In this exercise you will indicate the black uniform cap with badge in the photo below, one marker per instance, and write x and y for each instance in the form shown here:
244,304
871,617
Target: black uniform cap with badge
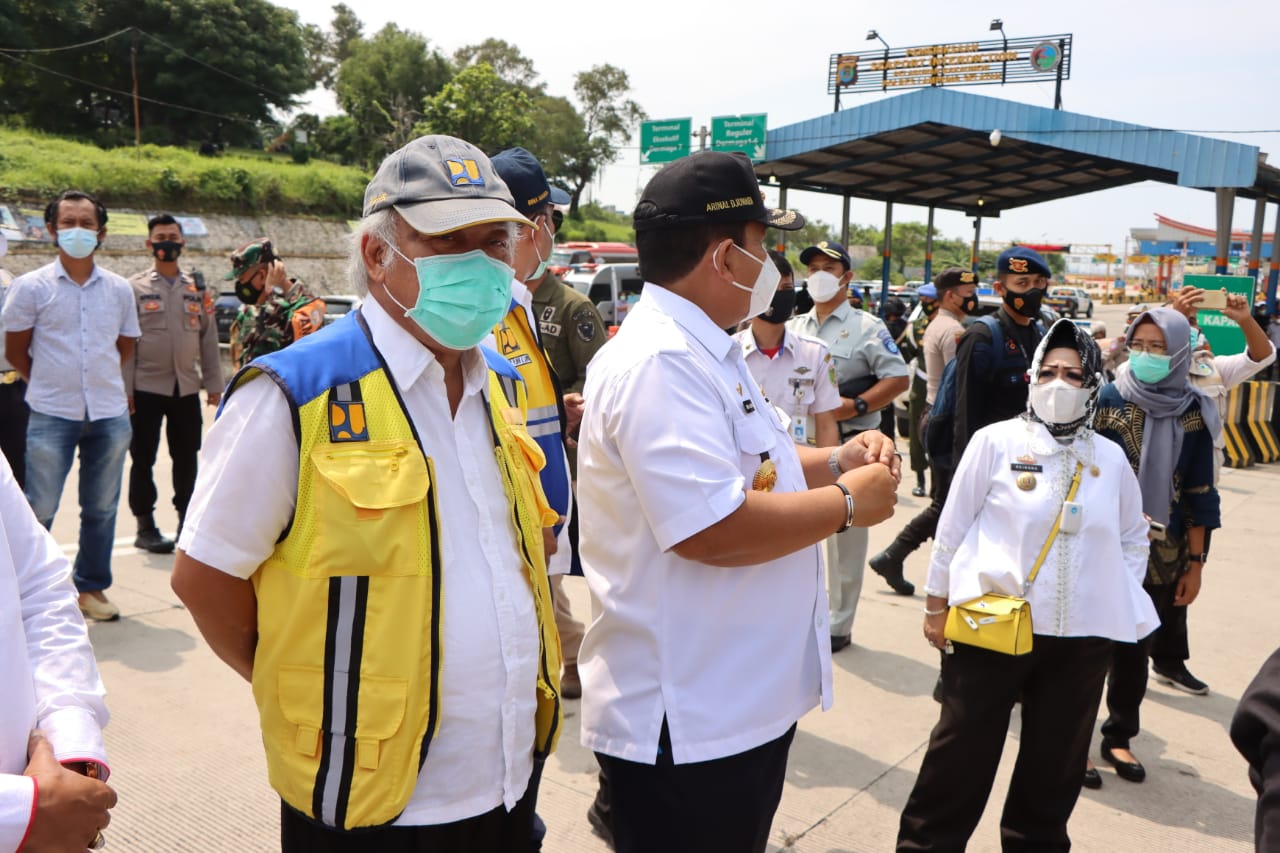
953,277
1019,260
831,249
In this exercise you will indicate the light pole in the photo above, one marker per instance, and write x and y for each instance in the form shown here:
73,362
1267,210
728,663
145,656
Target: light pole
998,24
884,72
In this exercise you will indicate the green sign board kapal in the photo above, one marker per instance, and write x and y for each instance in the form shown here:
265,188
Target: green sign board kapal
1225,337
664,140
739,133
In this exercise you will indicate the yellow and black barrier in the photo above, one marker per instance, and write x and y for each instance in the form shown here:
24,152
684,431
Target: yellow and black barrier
1260,408
1239,452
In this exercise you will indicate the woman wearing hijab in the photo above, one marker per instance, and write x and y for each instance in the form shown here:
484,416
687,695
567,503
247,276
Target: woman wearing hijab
1005,502
1165,426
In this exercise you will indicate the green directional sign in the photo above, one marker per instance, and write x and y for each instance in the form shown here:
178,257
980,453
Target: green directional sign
739,133
664,140
1225,337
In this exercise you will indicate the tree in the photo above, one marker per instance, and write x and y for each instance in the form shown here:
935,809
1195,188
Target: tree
383,85
212,64
479,107
328,50
506,60
557,135
608,116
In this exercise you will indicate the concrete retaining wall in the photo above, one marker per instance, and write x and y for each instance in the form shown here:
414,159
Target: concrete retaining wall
314,250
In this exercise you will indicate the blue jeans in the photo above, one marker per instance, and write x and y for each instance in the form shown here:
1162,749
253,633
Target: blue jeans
51,447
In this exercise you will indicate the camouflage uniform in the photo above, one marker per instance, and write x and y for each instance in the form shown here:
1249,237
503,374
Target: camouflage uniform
276,323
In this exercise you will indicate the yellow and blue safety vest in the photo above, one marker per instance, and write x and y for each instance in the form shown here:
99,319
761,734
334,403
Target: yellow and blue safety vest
347,666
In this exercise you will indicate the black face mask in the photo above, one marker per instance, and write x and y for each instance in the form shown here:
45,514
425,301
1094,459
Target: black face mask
1027,304
247,293
780,309
166,250
929,308
970,304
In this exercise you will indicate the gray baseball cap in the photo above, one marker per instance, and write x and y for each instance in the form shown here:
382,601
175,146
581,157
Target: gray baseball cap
441,184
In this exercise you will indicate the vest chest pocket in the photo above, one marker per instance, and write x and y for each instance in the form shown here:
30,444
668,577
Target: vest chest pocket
370,502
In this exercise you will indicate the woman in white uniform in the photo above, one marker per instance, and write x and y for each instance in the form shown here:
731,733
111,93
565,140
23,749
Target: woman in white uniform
1007,494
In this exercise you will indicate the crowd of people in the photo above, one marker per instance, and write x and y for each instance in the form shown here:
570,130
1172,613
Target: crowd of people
377,532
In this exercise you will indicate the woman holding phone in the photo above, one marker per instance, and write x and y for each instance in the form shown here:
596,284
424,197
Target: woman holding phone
1165,426
1042,496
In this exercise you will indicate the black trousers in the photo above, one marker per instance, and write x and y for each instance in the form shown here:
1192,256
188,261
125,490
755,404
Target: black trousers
496,831
1170,649
1060,684
725,805
182,423
925,523
13,427
1128,682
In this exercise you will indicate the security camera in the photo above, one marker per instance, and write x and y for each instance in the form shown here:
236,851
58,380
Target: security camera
996,136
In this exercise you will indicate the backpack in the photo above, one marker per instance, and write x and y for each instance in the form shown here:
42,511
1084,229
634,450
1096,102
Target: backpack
939,428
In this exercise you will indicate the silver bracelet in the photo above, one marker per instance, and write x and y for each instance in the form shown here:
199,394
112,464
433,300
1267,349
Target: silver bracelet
928,612
833,462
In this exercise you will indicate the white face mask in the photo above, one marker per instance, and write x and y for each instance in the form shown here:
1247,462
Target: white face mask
766,283
823,286
1059,402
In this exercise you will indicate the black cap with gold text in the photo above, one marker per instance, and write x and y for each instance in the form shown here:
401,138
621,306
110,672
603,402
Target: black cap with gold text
708,188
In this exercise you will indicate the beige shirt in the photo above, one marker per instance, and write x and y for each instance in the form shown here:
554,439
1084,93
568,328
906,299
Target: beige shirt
940,341
179,342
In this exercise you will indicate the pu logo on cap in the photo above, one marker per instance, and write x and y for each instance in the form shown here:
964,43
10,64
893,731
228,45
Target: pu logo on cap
1018,265
464,173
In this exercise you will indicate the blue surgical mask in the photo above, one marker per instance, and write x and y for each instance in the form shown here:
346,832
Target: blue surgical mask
1148,367
1195,338
79,243
460,297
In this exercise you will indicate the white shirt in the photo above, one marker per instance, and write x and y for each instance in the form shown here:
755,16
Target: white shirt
800,379
75,362
48,677
990,533
673,431
482,755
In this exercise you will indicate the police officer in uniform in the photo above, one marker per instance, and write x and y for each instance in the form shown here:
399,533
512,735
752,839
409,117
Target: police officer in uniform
870,373
176,355
278,309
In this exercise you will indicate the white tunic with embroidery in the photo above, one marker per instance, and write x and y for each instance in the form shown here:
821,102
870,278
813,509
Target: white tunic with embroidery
991,532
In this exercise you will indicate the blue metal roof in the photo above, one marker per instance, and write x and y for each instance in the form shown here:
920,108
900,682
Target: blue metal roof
932,147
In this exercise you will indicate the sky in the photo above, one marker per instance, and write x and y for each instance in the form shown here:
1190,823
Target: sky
1194,65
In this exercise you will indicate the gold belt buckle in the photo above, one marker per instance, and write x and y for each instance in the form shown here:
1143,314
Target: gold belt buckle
9,377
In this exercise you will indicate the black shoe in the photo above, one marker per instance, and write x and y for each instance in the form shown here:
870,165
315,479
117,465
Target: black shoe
1092,778
917,491
838,643
153,540
1132,771
890,568
599,826
1181,679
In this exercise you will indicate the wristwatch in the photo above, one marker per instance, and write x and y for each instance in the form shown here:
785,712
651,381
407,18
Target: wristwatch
1201,558
860,404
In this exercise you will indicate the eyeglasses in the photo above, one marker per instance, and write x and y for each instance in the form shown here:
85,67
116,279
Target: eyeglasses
1151,348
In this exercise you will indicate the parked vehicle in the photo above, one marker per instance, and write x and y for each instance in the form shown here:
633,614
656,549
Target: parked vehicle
587,257
612,288
227,305
1070,301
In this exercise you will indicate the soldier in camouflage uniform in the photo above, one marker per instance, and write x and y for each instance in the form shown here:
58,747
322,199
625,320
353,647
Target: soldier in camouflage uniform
912,350
278,309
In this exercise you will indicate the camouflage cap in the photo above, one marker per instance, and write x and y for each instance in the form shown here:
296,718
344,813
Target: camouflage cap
250,255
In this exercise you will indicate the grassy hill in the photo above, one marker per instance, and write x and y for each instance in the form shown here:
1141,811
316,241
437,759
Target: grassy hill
34,167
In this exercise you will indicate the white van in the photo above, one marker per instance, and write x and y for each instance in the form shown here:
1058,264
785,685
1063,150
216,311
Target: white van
612,288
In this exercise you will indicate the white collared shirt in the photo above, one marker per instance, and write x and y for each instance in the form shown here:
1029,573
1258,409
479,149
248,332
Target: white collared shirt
482,755
991,531
48,677
75,362
800,378
673,431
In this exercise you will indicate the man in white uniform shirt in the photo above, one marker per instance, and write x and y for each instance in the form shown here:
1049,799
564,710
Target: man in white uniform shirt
52,790
794,371
390,594
709,632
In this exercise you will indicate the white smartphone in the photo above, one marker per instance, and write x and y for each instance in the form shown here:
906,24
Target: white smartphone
1072,516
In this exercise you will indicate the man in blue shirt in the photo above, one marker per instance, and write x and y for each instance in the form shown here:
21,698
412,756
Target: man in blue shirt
69,326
